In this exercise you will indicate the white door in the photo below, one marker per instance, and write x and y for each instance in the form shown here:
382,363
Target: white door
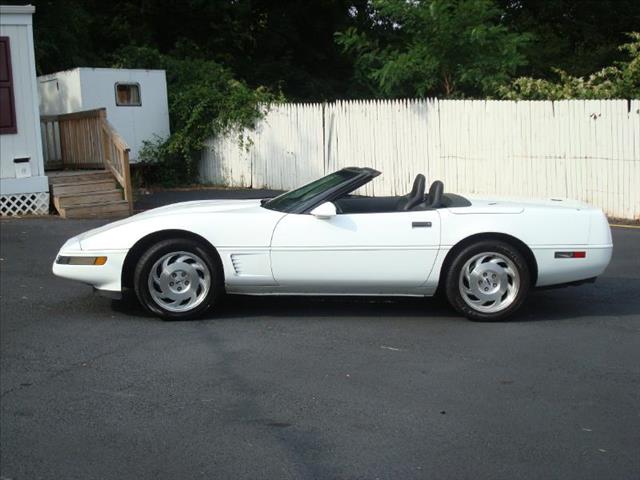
364,253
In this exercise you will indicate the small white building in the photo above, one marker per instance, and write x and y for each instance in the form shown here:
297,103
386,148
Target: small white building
24,188
136,100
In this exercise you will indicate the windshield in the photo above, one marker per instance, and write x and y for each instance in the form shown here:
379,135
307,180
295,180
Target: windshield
287,202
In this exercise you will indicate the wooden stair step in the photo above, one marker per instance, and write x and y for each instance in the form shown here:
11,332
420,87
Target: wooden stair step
78,176
82,187
117,208
72,199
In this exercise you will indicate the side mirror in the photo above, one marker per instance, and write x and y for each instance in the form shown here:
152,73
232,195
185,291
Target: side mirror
324,211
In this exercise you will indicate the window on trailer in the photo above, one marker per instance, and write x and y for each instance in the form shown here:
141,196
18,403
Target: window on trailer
128,94
7,103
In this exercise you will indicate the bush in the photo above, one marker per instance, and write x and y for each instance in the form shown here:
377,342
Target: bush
205,100
621,80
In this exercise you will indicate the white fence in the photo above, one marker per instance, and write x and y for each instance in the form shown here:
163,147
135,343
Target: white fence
586,150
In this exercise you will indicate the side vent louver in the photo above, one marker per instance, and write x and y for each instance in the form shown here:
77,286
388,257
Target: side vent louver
237,264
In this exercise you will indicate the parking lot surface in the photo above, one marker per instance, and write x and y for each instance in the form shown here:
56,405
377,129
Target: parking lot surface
298,388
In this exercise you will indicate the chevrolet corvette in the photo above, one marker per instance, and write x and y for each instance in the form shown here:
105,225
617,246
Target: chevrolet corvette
483,255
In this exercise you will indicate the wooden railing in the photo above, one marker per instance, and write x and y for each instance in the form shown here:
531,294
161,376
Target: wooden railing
116,157
86,140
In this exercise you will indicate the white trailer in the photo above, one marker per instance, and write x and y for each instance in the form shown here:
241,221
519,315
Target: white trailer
23,185
136,100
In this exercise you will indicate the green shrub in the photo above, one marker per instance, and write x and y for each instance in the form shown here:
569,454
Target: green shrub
205,100
621,80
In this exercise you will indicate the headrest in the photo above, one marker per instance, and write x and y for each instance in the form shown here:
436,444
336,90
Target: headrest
435,194
419,185
417,193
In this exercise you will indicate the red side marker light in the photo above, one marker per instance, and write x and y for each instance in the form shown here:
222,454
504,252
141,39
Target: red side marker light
570,255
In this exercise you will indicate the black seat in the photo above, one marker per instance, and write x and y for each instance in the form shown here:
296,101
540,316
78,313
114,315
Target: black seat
434,199
415,196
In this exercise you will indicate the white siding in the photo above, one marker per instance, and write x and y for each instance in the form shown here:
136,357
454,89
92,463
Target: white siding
60,92
90,88
135,124
586,150
26,142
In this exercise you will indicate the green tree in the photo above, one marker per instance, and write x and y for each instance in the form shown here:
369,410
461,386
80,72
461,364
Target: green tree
62,39
577,36
434,47
289,46
285,46
621,80
204,100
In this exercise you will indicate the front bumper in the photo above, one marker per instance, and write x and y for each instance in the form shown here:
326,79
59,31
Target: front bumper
107,277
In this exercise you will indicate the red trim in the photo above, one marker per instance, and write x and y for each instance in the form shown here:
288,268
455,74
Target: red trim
580,254
6,83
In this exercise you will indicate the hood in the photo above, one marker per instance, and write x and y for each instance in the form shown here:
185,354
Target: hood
179,209
199,206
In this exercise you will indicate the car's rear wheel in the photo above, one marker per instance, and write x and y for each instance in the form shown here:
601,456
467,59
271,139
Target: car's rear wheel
488,281
177,279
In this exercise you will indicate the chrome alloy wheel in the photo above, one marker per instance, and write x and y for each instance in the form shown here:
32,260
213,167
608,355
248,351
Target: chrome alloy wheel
489,282
179,281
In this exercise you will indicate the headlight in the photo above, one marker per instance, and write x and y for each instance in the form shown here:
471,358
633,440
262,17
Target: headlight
65,260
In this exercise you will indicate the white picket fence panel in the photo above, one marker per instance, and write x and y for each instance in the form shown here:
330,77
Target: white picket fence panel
284,151
587,150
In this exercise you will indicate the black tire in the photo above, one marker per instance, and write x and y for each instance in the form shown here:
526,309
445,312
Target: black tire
160,250
452,280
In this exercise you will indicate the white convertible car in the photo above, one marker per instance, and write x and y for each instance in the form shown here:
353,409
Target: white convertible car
320,239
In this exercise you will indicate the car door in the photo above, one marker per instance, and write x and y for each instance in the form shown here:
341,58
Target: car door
366,253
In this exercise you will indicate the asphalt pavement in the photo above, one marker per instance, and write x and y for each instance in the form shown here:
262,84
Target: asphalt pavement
298,388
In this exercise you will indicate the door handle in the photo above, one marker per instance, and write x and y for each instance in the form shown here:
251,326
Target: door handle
420,224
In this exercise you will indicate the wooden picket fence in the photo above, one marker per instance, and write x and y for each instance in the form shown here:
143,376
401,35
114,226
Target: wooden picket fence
587,150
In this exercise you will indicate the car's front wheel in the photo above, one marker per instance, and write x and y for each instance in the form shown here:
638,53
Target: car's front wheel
488,281
177,279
